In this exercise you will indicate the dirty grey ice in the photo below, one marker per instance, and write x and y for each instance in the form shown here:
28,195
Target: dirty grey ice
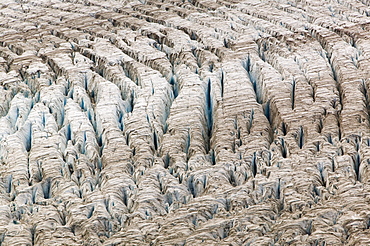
184,122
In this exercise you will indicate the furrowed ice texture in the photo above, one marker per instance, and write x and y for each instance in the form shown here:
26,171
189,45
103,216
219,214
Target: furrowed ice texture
184,122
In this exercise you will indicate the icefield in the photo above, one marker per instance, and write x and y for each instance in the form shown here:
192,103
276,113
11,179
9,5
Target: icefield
184,122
